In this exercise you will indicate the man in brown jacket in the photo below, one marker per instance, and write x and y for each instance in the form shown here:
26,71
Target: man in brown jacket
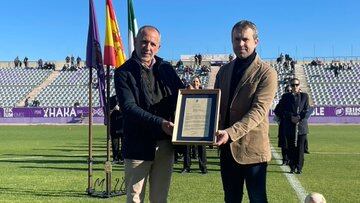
248,86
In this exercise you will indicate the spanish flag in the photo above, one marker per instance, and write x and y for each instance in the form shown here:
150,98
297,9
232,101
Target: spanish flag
114,54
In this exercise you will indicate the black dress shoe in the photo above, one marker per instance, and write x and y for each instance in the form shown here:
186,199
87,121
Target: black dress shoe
292,171
298,172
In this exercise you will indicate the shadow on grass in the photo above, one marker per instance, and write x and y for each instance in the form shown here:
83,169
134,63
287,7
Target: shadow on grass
45,161
82,146
71,150
115,169
44,193
55,155
194,170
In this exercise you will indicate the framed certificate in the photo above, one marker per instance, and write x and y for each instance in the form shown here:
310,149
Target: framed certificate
196,116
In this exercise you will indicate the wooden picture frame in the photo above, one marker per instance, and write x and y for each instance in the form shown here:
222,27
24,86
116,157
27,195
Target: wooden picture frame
196,116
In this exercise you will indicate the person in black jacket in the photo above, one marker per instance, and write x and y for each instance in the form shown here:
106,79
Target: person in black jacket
282,141
116,130
147,88
293,111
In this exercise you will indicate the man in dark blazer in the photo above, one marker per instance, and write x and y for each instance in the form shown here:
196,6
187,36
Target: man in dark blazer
248,87
147,88
116,130
282,141
293,111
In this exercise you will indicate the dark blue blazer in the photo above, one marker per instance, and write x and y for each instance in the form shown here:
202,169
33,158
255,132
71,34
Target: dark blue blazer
142,127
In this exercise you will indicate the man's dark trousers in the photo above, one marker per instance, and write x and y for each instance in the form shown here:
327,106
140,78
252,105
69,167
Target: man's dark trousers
234,175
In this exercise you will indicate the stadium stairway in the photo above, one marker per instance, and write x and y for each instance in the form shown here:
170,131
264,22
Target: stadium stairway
212,76
300,74
38,89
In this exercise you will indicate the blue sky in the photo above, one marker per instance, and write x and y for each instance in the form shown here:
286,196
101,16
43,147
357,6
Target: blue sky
303,28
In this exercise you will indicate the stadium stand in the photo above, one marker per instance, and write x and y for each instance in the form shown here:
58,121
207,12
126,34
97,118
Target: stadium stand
71,87
326,89
16,83
284,74
186,73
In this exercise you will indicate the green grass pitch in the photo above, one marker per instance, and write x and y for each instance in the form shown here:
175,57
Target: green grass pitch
49,164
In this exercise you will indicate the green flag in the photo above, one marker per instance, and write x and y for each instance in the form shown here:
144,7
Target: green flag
132,24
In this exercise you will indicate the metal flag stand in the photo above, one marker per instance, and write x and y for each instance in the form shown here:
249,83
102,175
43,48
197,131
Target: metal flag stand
96,189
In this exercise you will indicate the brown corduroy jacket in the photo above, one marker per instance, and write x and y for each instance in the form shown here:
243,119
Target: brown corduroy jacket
249,109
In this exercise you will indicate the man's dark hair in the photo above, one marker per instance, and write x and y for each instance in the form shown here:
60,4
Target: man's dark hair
242,25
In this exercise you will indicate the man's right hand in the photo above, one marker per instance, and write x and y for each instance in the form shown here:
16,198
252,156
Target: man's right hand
167,127
295,119
222,137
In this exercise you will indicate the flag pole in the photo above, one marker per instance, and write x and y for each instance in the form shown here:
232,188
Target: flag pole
108,167
90,189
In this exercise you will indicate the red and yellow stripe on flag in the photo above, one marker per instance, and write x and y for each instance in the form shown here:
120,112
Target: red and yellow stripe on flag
114,54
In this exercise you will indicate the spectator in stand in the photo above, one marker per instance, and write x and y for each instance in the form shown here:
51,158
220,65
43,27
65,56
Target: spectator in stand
67,59
16,61
26,103
287,57
78,61
26,62
196,84
341,67
196,58
72,60
36,103
200,59
292,64
65,67
335,68
280,59
53,66
40,63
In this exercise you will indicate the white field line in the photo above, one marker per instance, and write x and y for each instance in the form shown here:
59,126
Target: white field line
294,182
337,153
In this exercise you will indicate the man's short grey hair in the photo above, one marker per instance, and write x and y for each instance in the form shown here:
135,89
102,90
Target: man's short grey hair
244,24
143,28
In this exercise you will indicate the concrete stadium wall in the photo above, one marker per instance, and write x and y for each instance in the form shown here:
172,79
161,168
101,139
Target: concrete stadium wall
58,64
